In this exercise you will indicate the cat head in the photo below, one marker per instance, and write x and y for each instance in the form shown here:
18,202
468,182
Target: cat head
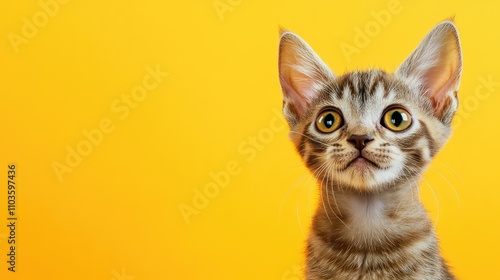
371,129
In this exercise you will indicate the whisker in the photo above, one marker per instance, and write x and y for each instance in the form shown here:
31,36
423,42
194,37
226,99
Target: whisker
451,169
297,207
337,205
323,166
435,198
411,189
411,164
309,198
326,185
300,195
334,172
286,195
415,181
296,165
298,220
450,184
312,139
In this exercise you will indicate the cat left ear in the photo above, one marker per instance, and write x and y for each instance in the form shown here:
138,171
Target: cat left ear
436,66
302,75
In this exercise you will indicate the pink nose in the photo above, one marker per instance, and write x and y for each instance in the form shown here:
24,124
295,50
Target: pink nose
360,141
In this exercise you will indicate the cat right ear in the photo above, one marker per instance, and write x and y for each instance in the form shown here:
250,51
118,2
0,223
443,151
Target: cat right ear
302,75
436,66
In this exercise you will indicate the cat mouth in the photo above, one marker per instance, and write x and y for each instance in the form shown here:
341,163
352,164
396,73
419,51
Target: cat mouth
361,162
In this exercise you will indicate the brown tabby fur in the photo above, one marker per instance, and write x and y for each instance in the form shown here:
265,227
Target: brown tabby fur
370,223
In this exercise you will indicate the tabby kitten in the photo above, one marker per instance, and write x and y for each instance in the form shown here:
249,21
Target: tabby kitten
367,136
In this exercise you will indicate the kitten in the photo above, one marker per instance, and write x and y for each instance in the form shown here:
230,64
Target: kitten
367,136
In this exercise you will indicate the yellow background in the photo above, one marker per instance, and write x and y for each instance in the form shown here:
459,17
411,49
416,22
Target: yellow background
117,216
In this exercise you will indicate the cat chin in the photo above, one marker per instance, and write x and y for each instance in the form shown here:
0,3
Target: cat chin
367,177
358,176
361,164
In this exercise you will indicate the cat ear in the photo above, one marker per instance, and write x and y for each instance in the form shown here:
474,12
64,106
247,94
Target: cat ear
302,75
436,65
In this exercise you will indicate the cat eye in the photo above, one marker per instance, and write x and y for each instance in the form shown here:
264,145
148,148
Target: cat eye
396,119
329,121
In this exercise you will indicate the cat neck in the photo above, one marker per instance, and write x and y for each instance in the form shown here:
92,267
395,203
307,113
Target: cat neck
370,218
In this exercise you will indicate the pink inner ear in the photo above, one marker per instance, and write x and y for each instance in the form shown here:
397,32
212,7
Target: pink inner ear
438,92
293,97
441,80
298,89
303,91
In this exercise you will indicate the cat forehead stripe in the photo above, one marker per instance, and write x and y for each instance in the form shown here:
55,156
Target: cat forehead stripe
358,85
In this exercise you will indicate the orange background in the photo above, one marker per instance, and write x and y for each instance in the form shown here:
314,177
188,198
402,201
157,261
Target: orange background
157,141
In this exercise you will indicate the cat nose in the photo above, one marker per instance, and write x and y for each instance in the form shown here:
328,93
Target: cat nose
360,141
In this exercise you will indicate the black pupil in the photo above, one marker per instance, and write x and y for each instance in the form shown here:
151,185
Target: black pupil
329,120
397,118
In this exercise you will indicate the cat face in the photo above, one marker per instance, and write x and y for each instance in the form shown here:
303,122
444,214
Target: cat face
370,129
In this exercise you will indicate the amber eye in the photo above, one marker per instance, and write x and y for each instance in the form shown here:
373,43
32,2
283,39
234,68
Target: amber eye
328,121
396,119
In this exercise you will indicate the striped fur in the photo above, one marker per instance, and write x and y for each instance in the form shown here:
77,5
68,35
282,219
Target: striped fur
370,223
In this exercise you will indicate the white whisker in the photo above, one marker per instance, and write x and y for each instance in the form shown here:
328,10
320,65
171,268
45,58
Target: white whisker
449,167
435,198
286,195
450,184
312,139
